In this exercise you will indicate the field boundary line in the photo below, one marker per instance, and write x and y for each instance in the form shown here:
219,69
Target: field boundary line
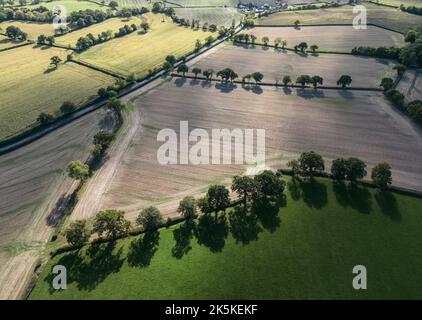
99,69
273,84
383,4
15,47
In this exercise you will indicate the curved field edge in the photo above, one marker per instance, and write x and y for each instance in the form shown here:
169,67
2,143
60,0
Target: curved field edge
306,249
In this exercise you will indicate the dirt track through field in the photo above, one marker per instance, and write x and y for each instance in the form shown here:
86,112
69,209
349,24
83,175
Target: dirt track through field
33,184
334,123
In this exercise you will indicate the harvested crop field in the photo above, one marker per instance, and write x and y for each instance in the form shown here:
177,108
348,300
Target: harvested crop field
217,16
112,24
25,73
411,85
33,29
32,184
140,53
327,39
380,15
276,63
332,122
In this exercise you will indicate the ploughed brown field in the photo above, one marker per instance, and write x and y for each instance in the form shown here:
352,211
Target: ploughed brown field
33,183
274,64
334,123
330,38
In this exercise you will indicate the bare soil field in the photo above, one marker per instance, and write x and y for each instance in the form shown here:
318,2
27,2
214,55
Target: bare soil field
411,85
33,185
328,39
276,63
334,123
218,16
391,18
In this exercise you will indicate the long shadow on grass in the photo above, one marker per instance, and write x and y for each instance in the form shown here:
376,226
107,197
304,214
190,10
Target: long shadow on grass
143,249
314,193
353,195
387,202
212,231
183,236
88,269
244,225
267,212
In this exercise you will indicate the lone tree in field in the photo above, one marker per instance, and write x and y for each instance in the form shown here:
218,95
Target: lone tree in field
227,74
111,223
208,73
45,118
283,44
386,83
400,69
265,40
149,218
217,199
314,48
244,186
171,59
55,60
257,76
187,207
77,170
297,23
77,234
310,163
277,42
145,26
317,80
344,81
302,46
303,80
286,80
67,107
196,71
182,69
381,175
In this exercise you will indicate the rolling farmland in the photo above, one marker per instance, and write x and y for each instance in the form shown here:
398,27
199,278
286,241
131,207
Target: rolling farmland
217,16
33,29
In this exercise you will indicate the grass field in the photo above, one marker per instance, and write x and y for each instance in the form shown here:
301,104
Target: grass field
28,86
327,37
112,24
33,29
305,249
397,3
34,190
379,15
70,5
140,53
6,42
274,64
218,16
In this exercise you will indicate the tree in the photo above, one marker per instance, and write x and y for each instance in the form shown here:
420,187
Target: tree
209,40
111,223
171,59
104,138
344,81
387,83
150,218
303,80
198,45
145,26
247,78
45,118
217,198
302,46
414,109
277,42
114,104
381,175
310,163
268,184
183,68
67,107
156,7
113,4
208,73
315,80
77,234
244,186
283,44
257,76
400,69
41,39
55,60
227,74
187,207
295,166
196,71
286,80
265,40
356,169
77,170
314,48
339,169
297,22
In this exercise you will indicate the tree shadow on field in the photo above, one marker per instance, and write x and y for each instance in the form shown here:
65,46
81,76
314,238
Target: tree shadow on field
142,250
353,195
225,87
183,236
244,225
180,82
194,82
212,231
314,193
257,89
90,268
387,202
347,94
287,91
294,189
310,93
267,211
62,206
206,84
